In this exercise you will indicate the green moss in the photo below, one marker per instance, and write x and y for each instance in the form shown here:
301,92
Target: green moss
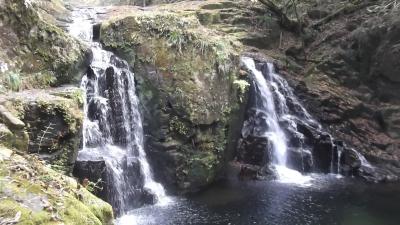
43,196
40,47
202,167
77,213
9,208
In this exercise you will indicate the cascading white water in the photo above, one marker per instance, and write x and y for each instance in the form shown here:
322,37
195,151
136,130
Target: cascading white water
282,116
275,134
112,127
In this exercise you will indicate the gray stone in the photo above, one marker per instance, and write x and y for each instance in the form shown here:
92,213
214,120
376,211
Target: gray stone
10,120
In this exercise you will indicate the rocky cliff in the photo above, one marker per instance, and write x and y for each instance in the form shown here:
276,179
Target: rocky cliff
348,76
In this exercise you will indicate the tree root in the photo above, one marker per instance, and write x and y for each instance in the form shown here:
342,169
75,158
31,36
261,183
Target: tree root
348,9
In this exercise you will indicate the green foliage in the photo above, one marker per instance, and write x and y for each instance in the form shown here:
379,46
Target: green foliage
93,187
221,51
203,46
39,80
178,126
242,86
77,96
177,40
12,81
16,81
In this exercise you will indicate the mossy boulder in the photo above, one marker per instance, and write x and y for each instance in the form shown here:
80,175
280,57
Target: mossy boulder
53,119
31,43
34,194
12,131
185,75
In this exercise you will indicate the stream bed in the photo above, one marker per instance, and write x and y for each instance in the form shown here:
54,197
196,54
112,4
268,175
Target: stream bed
327,200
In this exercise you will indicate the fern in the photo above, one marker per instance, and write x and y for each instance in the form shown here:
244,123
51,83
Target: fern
42,137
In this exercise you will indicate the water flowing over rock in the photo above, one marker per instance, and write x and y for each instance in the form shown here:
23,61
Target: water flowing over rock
112,129
279,131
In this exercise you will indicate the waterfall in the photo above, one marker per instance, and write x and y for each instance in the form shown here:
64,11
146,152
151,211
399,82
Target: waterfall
275,134
112,126
295,140
272,102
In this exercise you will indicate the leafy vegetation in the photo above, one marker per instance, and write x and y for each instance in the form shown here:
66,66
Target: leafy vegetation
242,86
11,80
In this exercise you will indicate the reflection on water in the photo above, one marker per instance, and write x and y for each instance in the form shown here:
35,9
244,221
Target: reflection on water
328,201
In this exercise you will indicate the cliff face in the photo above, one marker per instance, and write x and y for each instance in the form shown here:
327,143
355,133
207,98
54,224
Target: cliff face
350,77
37,54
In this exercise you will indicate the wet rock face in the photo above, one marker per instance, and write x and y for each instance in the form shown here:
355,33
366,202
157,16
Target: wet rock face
102,182
310,148
354,89
54,133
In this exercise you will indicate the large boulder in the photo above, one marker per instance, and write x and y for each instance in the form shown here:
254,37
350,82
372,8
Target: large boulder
185,75
52,119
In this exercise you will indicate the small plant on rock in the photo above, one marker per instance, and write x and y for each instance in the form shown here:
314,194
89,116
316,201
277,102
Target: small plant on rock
12,81
242,86
44,133
92,187
177,39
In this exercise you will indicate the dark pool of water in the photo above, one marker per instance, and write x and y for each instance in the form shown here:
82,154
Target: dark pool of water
328,201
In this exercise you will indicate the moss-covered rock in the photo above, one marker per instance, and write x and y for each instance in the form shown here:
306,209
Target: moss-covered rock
53,120
40,195
185,74
34,48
